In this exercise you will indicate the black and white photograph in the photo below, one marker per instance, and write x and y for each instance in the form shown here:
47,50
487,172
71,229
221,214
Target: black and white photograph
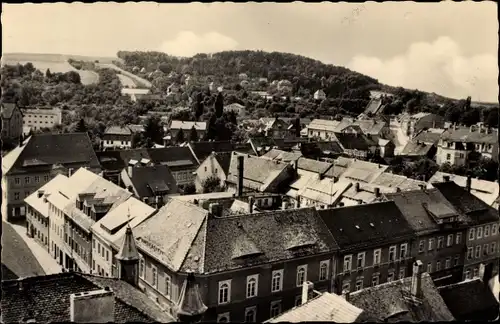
250,162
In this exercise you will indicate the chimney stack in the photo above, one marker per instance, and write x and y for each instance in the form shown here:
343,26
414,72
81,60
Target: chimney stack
346,294
416,279
215,209
70,172
468,183
356,186
377,192
239,185
92,306
446,178
250,204
307,288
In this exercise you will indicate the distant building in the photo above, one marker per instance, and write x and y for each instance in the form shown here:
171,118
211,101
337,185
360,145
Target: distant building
177,125
319,95
12,122
215,165
413,124
118,137
41,117
274,127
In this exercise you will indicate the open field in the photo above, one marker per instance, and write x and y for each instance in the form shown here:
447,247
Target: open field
139,82
126,81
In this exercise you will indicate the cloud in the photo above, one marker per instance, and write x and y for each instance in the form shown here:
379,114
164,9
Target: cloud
436,67
187,43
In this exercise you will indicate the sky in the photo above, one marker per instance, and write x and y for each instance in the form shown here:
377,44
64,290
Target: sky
450,48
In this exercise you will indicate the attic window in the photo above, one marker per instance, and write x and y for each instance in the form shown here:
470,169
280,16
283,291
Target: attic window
357,227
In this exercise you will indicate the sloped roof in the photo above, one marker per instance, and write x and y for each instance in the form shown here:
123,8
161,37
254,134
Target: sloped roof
46,299
430,136
187,125
8,109
146,180
203,149
118,130
464,135
389,224
351,141
38,203
383,300
391,180
42,150
319,167
325,308
414,148
323,124
314,149
373,106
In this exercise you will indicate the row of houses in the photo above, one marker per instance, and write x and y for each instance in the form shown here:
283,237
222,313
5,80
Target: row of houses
251,261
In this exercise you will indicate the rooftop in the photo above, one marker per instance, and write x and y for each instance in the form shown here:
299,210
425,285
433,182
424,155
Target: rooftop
37,203
187,125
147,181
118,130
465,135
203,149
358,142
416,148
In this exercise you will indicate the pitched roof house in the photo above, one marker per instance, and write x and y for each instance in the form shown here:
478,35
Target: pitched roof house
201,150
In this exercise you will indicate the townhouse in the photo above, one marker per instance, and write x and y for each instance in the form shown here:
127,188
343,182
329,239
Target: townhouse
357,145
274,128
108,234
412,124
374,245
457,143
185,127
119,137
12,122
324,150
41,117
29,166
440,232
322,128
216,165
482,238
249,267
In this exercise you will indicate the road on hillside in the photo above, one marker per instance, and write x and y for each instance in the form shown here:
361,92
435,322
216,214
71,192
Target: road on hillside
16,255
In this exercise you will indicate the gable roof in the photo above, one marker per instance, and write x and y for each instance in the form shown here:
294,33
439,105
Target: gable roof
46,299
416,148
430,136
323,124
44,150
388,299
325,308
319,167
224,160
8,109
314,149
187,125
391,180
146,180
470,300
38,203
464,135
202,150
355,227
118,130
351,141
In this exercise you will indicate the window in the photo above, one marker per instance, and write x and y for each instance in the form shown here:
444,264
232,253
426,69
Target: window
402,273
141,267
361,260
301,275
346,286
277,281
205,169
275,308
487,231
440,242
478,251
375,279
479,233
403,251
154,276
476,273
457,259
224,292
323,270
449,240
16,195
98,247
467,274
472,232
448,156
493,247
429,267
431,244
93,265
17,181
347,262
250,314
392,253
376,256
359,284
252,286
470,253
438,265
45,178
458,238
447,263
223,318
107,255
494,229
421,246
485,249
168,285
37,179
26,180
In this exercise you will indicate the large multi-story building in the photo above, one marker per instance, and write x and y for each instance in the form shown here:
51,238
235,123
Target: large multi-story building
29,166
12,122
412,124
374,245
41,117
249,267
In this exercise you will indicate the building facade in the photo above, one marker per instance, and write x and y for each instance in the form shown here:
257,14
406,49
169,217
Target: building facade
42,117
12,122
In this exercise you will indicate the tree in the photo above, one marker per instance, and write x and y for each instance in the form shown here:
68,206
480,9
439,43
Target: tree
153,129
189,189
211,184
48,74
179,138
219,105
80,126
491,119
193,135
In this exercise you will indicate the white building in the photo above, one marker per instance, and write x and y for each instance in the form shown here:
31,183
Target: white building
319,95
41,117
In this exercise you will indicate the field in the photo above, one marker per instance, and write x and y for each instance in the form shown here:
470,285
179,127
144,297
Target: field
126,81
125,76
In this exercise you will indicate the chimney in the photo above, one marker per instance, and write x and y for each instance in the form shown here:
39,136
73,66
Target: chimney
446,178
70,172
356,186
416,279
92,306
346,294
468,183
239,185
307,288
215,209
377,192
297,204
398,189
250,204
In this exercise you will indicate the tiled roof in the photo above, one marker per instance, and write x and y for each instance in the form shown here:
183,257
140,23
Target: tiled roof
323,124
470,300
374,224
8,109
203,149
146,180
46,299
476,209
314,149
414,148
187,125
49,149
430,136
388,301
373,106
413,206
464,135
118,130
283,156
326,191
487,191
351,141
38,203
224,160
325,308
370,126
319,167
390,180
